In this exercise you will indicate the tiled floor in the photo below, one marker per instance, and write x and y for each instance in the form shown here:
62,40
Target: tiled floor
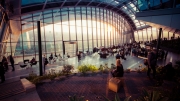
93,88
131,62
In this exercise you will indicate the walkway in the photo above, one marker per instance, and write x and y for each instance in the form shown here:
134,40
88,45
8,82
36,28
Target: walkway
91,87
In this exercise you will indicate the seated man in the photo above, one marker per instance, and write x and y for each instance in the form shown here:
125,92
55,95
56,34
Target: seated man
33,61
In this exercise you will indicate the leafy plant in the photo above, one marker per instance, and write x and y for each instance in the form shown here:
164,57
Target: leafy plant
151,96
49,75
75,98
67,69
113,66
88,67
104,68
117,98
32,76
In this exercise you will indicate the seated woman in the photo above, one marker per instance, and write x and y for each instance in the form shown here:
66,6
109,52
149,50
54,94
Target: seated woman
33,61
119,71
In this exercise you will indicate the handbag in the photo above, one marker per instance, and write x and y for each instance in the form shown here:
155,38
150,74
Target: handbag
145,62
114,73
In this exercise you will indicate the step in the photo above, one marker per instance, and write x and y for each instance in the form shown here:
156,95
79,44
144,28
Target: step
11,89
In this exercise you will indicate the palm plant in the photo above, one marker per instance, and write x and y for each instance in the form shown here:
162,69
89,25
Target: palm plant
151,96
116,98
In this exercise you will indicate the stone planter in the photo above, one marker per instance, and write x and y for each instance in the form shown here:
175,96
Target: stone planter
45,81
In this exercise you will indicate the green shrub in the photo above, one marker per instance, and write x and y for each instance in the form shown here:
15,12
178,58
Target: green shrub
151,96
84,68
32,76
104,68
67,69
36,79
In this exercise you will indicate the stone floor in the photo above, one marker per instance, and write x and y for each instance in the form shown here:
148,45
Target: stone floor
93,88
131,62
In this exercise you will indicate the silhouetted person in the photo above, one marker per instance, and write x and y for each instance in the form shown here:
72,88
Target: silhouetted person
118,56
5,63
51,57
79,56
68,55
165,56
151,63
2,72
168,71
12,62
33,61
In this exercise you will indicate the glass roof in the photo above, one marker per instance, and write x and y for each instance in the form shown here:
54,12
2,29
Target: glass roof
129,7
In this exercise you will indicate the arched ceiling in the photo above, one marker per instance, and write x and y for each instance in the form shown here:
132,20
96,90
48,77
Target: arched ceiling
126,8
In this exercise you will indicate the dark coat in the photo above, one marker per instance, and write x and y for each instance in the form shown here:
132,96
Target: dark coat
152,59
119,72
2,72
11,60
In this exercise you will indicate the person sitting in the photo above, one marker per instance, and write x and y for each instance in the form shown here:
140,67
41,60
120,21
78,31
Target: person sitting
118,56
68,55
168,71
33,61
119,71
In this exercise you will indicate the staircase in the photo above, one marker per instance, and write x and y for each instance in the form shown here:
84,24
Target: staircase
11,89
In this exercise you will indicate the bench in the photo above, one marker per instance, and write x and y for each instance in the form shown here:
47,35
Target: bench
28,86
115,83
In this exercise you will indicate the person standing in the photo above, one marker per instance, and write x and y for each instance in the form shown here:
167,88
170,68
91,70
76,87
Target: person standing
79,56
12,62
2,72
165,56
5,63
152,63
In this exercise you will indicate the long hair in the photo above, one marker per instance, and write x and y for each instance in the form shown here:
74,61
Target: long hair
118,62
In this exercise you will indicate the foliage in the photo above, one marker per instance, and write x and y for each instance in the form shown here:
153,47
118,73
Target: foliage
32,76
84,68
113,66
144,69
75,98
49,75
104,68
127,70
151,96
116,98
67,69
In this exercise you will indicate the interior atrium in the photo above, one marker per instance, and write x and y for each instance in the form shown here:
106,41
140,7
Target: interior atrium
69,27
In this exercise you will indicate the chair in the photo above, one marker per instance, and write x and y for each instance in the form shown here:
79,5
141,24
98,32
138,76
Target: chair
26,61
34,63
22,65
